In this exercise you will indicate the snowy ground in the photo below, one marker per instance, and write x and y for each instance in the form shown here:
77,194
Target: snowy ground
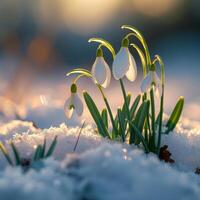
100,169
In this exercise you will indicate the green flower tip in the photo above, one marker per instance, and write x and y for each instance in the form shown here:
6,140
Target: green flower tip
73,88
182,98
152,67
71,106
125,42
99,52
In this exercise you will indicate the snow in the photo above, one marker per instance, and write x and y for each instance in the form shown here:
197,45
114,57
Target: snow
99,169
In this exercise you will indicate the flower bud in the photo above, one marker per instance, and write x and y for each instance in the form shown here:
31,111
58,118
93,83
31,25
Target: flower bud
73,88
99,52
125,42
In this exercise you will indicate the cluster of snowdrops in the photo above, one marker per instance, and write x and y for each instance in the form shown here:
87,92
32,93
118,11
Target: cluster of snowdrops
136,122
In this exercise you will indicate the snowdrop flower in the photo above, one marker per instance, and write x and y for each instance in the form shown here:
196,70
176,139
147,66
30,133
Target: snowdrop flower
151,79
124,63
73,103
100,70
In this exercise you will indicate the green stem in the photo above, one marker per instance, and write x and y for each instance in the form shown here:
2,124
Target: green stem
88,74
160,120
127,108
125,100
109,110
152,118
140,37
78,77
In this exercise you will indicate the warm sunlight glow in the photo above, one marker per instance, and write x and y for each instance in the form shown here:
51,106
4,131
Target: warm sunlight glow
79,16
155,8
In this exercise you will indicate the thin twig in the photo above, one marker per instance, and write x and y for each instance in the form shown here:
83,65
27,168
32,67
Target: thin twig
79,136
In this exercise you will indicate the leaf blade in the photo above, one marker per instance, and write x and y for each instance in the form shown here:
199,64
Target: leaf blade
96,115
16,154
175,115
104,115
135,105
52,147
5,153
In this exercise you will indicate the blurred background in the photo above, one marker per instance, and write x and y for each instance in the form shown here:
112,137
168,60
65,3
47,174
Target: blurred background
41,40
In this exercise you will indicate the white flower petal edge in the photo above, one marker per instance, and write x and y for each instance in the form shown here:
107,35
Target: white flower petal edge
99,71
132,71
108,76
78,104
146,82
151,77
121,63
157,82
73,104
68,111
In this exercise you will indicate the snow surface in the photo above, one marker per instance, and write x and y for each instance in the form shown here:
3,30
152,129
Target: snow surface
99,169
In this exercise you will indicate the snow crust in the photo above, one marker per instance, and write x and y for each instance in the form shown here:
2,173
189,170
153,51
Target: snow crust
99,169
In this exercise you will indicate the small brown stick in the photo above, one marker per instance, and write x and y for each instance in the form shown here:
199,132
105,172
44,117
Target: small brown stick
79,136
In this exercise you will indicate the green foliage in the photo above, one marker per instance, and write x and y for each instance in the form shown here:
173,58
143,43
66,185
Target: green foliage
51,148
122,124
134,106
5,153
103,43
139,121
38,155
104,115
175,115
135,122
96,115
16,153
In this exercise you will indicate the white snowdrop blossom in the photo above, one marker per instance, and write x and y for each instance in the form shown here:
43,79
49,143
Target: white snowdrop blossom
73,103
150,79
100,70
124,64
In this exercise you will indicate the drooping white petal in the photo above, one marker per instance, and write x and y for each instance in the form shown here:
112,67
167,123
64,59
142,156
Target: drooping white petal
131,74
108,76
146,82
99,70
157,83
67,109
78,105
121,63
155,78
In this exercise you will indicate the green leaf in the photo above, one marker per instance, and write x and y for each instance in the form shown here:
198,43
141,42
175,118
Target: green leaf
134,106
122,123
52,147
175,115
140,136
96,115
116,121
159,120
16,154
43,149
140,120
38,152
153,125
128,99
5,153
103,43
104,115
